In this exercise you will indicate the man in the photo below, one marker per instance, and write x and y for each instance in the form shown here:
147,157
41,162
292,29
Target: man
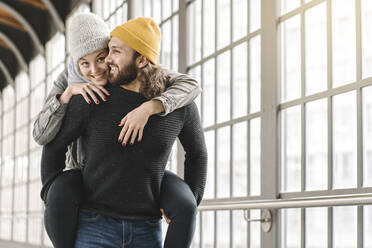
123,185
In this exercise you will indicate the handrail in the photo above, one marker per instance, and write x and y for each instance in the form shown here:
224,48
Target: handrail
323,201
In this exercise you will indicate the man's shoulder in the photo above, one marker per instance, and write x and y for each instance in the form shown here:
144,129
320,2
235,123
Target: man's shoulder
78,102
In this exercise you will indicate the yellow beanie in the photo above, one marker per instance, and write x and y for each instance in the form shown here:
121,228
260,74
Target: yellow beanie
141,34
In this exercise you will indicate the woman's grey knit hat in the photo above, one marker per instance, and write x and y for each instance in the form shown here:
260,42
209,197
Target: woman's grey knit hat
87,33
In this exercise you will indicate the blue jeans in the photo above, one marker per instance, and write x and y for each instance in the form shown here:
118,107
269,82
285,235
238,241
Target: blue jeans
100,231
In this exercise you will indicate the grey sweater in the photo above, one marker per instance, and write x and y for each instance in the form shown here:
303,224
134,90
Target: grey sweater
182,90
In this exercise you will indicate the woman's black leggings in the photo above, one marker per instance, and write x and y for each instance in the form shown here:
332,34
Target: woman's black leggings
66,193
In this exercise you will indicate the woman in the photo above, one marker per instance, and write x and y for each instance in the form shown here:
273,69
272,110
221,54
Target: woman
88,52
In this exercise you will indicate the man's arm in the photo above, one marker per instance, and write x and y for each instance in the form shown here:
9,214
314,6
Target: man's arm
53,156
182,90
49,120
193,142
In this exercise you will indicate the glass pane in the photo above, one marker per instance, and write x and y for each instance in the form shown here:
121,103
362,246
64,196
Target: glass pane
167,8
255,163
255,15
223,23
22,112
194,31
316,227
345,227
344,141
6,197
223,162
34,230
37,70
166,45
316,48
291,227
196,239
367,226
240,82
20,196
288,5
367,38
291,149
290,59
223,87
195,73
240,165
255,74
239,229
316,145
208,229
239,19
255,229
37,102
223,229
210,185
175,42
208,93
35,204
5,227
343,39
209,27
157,10
367,136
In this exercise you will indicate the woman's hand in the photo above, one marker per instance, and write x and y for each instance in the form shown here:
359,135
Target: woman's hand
134,122
86,90
165,217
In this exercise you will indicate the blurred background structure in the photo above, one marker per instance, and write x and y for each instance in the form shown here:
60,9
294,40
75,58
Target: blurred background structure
286,108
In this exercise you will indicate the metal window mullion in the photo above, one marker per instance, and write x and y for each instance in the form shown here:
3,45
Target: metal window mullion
231,111
359,96
215,112
329,86
14,162
200,229
330,227
303,93
215,105
269,122
28,160
1,148
360,231
201,55
303,227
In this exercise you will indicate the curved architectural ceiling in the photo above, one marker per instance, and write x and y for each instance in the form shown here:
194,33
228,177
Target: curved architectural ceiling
25,27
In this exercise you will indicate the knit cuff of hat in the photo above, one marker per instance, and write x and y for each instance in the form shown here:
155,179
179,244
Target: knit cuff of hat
136,43
86,48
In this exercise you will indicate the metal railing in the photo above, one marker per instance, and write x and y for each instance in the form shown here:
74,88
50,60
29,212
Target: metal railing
322,201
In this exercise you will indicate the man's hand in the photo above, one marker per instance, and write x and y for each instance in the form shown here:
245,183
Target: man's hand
165,217
135,121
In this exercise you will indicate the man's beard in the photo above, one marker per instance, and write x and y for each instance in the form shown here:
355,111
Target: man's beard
124,76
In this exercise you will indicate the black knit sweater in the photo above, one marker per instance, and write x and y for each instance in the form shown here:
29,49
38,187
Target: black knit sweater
124,182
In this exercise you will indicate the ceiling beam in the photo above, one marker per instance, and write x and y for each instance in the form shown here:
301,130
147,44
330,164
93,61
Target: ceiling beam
4,45
9,23
25,24
15,50
55,16
6,73
36,4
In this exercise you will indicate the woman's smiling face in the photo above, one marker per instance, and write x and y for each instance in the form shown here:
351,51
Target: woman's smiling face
94,68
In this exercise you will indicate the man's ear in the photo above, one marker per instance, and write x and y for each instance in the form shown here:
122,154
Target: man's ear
142,61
